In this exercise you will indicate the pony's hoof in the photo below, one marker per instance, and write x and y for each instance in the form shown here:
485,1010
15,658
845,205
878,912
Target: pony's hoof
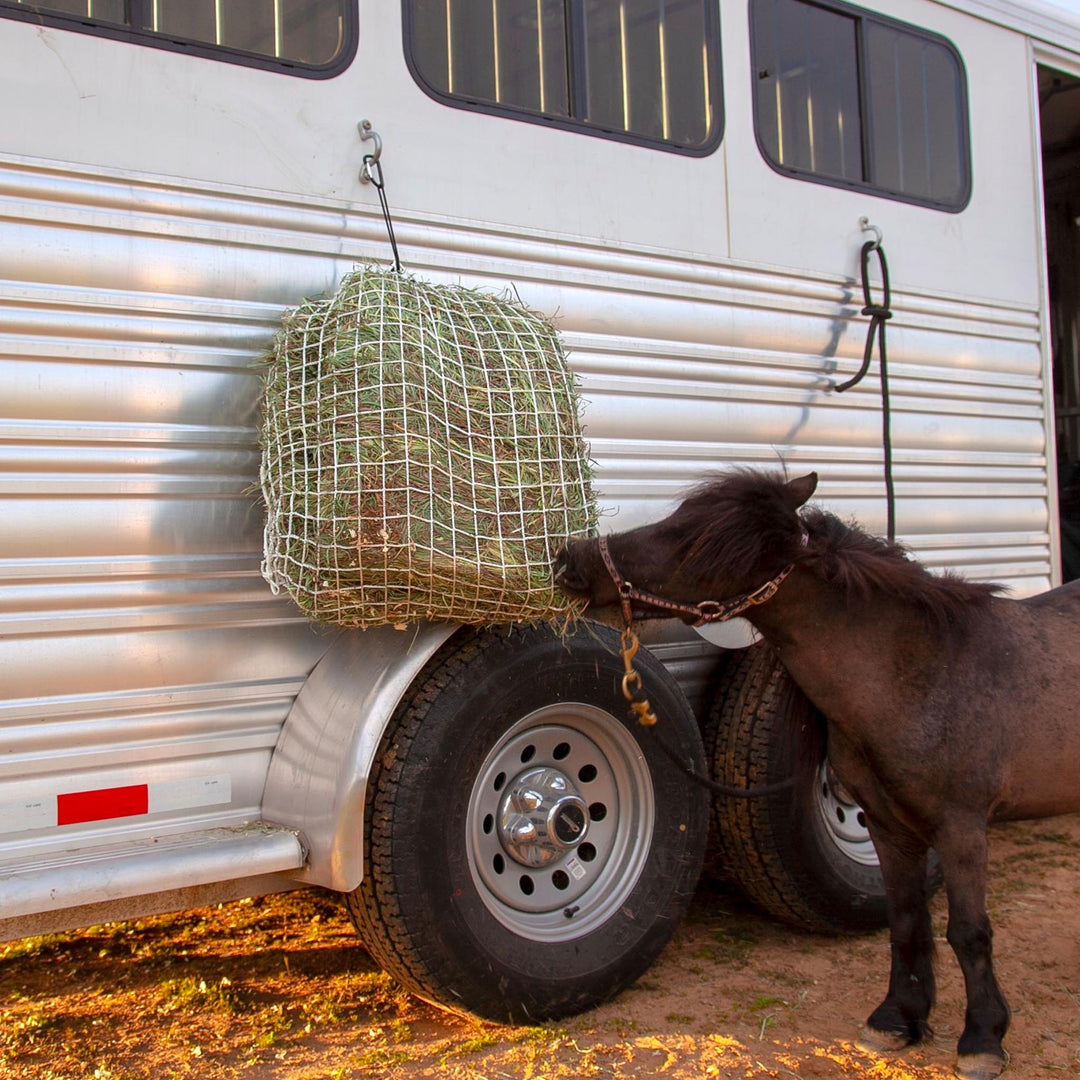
980,1066
881,1042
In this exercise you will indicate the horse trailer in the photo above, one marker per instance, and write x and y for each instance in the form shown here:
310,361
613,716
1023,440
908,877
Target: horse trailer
687,187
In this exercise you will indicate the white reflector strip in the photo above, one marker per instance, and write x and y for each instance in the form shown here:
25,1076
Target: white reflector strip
162,796
31,814
186,794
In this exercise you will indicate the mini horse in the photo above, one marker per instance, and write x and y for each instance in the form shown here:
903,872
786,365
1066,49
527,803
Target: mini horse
947,706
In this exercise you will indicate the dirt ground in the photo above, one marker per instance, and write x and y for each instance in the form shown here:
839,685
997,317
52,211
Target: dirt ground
282,989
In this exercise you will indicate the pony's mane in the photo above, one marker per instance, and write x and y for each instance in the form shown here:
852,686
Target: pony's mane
747,522
861,565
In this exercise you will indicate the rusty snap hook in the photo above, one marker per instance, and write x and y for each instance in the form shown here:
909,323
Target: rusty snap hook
631,681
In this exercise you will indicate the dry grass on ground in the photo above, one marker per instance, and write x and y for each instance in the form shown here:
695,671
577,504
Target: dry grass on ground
282,989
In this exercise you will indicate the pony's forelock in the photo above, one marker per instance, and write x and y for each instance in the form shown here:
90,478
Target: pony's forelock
742,521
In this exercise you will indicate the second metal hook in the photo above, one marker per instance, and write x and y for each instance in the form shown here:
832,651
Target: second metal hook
367,132
867,226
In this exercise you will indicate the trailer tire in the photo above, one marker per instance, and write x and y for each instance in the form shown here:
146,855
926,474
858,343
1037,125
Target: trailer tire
804,855
448,906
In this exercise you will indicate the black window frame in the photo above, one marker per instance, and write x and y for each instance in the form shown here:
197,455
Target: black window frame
862,18
574,30
207,50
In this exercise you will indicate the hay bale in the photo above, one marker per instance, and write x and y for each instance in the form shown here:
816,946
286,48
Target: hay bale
422,456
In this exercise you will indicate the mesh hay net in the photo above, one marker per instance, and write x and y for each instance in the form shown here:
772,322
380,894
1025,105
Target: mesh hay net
422,456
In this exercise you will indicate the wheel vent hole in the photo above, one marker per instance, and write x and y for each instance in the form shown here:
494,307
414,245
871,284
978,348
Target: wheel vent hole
586,773
841,816
861,820
528,753
499,781
561,751
498,864
586,852
597,811
526,884
489,824
560,879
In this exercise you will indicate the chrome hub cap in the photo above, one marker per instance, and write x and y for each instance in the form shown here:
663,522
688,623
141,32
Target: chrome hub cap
559,822
542,817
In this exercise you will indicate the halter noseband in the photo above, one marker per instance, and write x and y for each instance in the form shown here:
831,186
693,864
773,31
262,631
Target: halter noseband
705,611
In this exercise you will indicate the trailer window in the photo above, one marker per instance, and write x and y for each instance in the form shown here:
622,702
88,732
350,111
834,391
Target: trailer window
307,37
846,98
641,70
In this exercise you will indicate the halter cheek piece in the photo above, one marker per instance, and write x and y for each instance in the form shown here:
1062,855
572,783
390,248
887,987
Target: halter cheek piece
705,611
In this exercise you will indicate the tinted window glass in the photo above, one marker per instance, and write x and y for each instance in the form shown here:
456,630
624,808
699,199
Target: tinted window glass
916,135
848,98
640,68
506,54
808,88
313,33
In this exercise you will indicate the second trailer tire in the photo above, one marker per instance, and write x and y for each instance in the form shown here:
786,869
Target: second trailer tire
804,856
529,850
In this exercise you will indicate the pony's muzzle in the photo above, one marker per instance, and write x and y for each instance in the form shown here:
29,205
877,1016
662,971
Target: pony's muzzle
568,573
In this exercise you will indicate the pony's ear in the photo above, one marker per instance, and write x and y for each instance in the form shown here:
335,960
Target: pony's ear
800,489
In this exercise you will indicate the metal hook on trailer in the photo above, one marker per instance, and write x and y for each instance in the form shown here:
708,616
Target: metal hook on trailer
867,226
367,132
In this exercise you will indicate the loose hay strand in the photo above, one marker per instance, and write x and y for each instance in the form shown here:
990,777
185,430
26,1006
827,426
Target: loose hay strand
422,456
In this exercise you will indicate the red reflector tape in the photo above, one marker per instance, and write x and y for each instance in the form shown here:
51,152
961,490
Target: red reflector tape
114,802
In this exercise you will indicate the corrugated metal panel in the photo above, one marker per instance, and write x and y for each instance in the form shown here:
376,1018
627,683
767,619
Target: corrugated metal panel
138,636
139,643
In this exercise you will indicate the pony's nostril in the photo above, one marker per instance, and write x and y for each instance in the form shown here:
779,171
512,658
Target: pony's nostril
567,575
560,566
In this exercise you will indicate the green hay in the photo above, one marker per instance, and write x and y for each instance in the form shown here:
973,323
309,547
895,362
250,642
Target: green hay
422,456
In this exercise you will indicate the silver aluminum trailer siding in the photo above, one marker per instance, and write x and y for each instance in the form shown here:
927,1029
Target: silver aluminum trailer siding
160,207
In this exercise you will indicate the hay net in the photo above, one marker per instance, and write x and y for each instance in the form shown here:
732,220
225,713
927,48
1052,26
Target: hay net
422,456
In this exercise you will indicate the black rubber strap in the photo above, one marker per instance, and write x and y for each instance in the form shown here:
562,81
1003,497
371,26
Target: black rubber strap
720,789
879,315
374,171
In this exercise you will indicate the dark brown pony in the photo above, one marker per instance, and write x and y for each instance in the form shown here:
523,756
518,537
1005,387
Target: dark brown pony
947,706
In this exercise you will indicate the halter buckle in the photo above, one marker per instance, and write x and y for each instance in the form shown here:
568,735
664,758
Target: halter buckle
766,592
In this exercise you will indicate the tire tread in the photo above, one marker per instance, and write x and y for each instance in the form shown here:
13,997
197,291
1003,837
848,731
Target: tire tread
410,932
752,835
375,906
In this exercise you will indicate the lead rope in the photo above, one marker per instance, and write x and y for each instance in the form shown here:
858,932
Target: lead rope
643,711
879,315
646,717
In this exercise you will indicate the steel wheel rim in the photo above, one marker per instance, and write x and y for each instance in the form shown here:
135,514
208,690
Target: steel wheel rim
844,820
583,885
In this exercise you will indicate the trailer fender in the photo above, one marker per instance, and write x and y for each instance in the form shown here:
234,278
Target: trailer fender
319,769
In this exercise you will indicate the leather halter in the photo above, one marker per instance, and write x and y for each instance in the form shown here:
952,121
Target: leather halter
705,611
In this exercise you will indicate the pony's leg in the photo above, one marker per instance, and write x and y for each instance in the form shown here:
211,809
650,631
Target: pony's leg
962,849
902,1018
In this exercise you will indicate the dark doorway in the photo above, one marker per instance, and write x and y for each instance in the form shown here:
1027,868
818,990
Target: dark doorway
1059,117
